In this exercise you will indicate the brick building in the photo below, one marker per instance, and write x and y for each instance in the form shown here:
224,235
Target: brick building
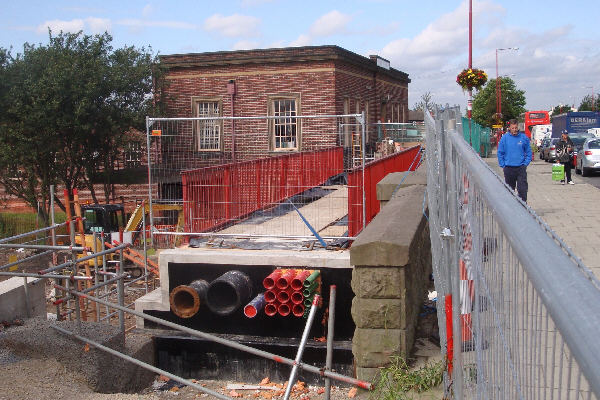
284,82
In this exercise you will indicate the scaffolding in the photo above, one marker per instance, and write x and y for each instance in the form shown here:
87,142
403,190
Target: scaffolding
74,298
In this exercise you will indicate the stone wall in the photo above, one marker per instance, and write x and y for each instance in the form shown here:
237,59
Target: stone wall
392,265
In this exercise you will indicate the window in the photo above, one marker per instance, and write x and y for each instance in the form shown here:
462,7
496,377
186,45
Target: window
593,144
284,129
133,155
207,132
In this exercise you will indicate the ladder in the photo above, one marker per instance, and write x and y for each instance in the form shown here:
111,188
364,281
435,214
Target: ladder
357,149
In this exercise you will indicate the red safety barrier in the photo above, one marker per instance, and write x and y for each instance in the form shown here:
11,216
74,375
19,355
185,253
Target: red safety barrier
216,196
375,171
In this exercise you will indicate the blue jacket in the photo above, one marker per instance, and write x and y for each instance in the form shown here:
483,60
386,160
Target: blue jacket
514,151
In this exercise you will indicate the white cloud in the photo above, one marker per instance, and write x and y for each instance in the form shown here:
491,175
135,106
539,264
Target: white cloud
332,23
98,25
56,25
138,23
246,45
302,40
251,3
147,10
550,66
235,25
91,25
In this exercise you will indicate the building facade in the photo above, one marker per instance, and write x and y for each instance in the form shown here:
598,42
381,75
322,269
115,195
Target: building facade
282,83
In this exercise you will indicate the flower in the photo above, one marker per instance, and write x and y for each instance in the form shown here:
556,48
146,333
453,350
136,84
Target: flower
471,78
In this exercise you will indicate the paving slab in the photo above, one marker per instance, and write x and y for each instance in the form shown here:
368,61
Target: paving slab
572,211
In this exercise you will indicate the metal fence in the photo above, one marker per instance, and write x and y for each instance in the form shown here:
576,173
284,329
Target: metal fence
518,317
234,184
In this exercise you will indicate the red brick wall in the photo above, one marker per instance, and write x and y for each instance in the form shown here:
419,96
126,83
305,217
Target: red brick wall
320,85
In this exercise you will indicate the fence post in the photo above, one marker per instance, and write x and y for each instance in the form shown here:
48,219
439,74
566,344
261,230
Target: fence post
454,271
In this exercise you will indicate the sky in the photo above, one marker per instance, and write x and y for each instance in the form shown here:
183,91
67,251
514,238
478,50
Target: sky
557,61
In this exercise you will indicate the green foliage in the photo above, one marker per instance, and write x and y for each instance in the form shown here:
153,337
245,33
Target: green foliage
16,223
484,102
397,381
560,109
586,103
68,108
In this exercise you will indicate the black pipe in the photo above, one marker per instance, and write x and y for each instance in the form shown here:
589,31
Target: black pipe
185,300
229,292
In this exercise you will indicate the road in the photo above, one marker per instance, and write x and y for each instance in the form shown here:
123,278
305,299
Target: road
593,180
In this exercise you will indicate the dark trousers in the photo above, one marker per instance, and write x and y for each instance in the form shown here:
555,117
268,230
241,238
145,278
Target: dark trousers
517,177
568,166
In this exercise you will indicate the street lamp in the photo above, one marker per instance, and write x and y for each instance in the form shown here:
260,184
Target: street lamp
498,86
593,104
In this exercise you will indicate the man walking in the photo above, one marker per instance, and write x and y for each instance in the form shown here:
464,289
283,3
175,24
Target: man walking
514,155
564,155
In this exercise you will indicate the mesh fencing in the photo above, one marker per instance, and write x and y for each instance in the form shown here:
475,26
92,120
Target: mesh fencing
518,317
265,180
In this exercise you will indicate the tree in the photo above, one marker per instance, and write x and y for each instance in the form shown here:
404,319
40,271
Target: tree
426,102
560,109
65,109
586,103
484,102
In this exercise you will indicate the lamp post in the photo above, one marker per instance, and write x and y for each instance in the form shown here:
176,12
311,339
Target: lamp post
470,101
498,85
593,104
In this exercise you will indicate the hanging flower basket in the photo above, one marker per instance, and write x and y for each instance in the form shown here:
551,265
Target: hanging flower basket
470,79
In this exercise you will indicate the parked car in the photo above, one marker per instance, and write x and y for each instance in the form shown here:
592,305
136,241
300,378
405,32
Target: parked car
588,157
544,143
578,140
550,150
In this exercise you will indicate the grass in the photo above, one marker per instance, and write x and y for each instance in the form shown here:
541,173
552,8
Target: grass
398,382
16,223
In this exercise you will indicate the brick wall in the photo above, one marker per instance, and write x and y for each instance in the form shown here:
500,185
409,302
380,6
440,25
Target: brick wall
321,78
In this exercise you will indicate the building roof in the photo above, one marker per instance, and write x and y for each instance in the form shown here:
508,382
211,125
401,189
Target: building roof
279,55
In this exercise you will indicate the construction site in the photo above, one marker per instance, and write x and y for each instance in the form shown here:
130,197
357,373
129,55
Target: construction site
239,271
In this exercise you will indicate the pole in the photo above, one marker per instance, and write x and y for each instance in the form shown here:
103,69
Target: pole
470,101
121,294
149,180
330,323
53,232
298,359
145,245
74,271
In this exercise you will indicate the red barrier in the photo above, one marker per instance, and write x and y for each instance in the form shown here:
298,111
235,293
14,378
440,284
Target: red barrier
216,196
375,171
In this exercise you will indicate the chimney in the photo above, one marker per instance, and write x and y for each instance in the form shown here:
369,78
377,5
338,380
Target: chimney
380,61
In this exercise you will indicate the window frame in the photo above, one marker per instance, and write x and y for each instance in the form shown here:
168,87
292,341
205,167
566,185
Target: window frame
197,125
272,122
133,154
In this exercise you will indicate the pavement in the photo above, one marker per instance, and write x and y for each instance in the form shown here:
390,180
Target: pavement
570,210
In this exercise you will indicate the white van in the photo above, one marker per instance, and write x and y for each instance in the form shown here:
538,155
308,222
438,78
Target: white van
539,132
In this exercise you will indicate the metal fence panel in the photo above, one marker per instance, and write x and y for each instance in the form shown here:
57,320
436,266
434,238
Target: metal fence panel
251,185
520,317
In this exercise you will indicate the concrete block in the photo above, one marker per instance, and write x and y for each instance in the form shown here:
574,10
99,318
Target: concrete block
12,298
386,241
368,374
378,282
379,313
399,180
373,348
